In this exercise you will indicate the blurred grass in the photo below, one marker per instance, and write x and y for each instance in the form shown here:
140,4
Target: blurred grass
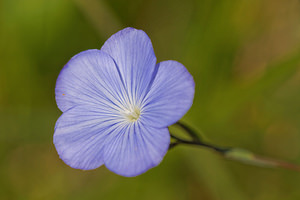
244,56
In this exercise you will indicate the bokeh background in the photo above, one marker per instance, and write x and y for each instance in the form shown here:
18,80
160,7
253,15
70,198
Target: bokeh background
244,56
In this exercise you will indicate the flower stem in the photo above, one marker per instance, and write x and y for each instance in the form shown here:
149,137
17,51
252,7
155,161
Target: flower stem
199,143
231,153
190,131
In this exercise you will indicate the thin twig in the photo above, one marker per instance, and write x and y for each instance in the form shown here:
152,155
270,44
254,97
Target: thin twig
236,154
189,130
199,143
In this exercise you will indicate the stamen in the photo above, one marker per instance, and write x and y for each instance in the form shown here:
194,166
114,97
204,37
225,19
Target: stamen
132,114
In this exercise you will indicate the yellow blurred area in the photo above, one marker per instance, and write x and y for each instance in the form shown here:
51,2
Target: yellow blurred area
244,56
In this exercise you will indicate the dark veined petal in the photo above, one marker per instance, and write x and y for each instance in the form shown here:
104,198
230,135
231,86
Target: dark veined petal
133,53
80,135
135,149
170,96
90,77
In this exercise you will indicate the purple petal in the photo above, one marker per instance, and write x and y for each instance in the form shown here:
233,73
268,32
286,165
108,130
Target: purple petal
80,135
170,96
135,149
90,77
133,53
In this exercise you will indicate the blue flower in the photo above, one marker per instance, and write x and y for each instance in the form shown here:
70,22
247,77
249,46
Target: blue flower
117,104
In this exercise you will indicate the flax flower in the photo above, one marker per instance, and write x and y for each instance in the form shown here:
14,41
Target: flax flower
117,104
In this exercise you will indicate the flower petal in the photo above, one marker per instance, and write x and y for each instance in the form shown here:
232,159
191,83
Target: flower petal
135,149
133,53
80,135
170,96
90,77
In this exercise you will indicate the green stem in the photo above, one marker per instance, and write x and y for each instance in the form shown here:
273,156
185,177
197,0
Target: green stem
220,150
236,154
189,130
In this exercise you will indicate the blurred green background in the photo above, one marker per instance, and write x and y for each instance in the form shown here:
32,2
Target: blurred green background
244,56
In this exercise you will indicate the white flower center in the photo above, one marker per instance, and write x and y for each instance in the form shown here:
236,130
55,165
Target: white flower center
132,114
